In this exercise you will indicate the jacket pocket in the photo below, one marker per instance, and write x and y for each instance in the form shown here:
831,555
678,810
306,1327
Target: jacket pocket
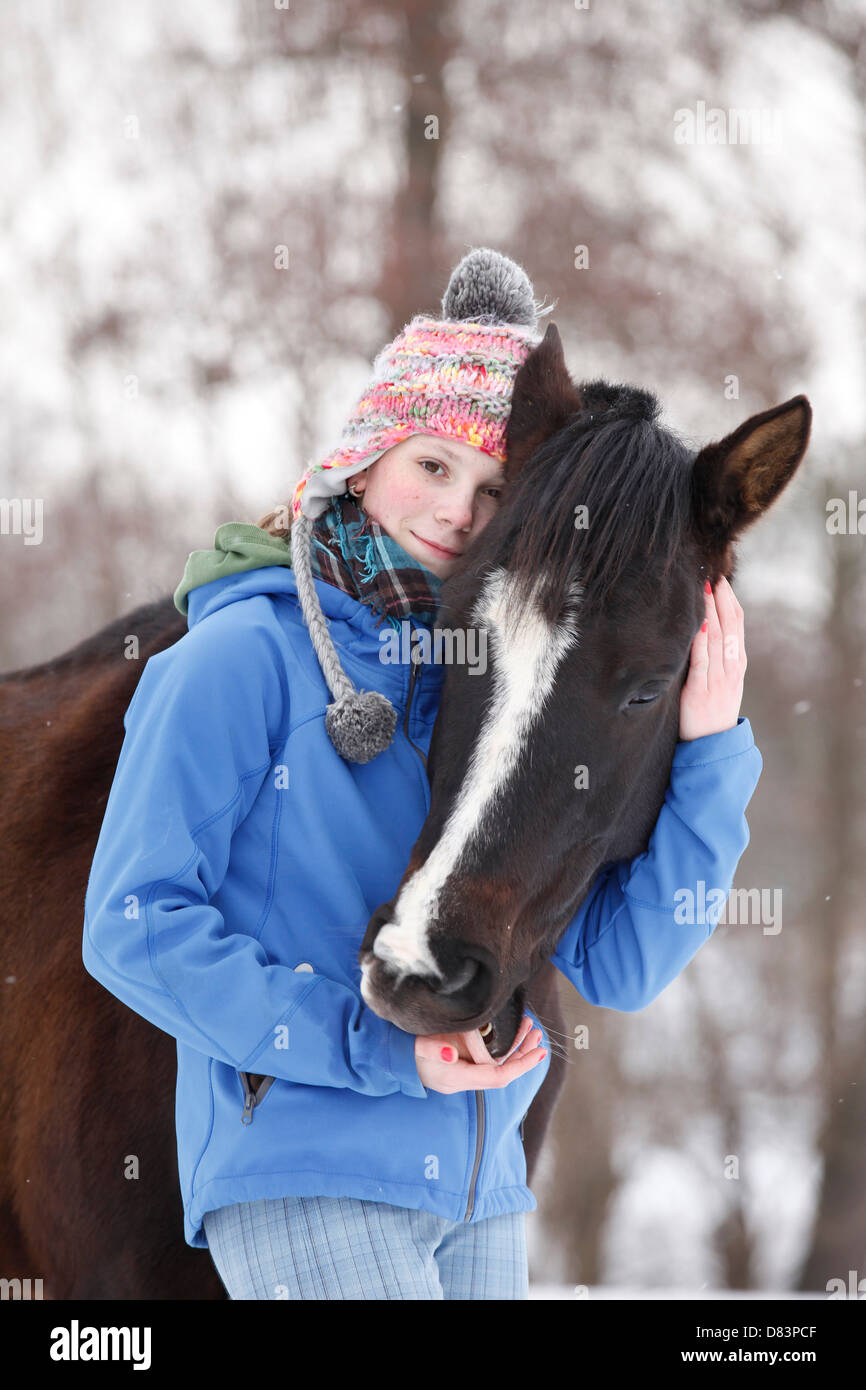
256,1088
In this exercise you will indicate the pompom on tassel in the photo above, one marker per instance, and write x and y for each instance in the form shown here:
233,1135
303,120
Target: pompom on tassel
361,725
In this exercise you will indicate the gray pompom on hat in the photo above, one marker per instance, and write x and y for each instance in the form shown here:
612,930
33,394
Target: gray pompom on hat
486,289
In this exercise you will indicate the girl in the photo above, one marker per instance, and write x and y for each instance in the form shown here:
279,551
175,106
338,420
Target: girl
253,827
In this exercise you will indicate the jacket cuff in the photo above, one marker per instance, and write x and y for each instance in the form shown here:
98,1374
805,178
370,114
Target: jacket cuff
402,1063
713,747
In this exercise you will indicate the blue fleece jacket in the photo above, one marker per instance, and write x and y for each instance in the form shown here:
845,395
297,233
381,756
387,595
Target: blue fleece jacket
238,863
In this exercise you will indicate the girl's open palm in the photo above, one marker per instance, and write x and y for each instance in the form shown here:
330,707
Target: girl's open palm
473,1069
711,697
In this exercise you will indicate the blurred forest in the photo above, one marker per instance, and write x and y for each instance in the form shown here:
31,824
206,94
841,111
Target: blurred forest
212,219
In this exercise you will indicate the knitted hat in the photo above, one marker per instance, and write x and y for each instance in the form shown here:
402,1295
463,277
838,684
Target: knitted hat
452,377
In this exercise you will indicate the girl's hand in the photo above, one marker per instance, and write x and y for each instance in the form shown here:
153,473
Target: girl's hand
711,697
472,1067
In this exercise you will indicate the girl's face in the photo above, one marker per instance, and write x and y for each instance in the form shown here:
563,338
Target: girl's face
433,496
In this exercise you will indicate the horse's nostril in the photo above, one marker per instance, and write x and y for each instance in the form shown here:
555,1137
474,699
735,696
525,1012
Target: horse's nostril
381,917
464,977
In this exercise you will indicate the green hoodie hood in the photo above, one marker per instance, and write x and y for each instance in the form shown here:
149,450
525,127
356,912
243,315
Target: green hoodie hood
237,546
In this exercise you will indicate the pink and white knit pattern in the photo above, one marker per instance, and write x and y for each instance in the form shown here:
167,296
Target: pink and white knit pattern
436,377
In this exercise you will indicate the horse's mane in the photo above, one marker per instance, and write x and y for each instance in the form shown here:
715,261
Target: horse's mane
632,475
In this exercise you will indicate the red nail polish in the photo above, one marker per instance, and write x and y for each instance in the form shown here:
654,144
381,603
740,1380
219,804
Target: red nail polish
708,588
447,1054
704,625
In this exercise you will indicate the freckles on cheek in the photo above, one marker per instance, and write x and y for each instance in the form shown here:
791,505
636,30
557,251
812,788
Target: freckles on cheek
405,496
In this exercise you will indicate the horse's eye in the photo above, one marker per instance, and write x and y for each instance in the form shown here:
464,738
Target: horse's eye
644,697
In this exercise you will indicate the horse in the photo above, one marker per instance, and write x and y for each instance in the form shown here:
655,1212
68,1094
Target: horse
85,1079
590,629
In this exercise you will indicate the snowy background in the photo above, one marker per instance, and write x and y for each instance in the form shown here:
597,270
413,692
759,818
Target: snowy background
161,374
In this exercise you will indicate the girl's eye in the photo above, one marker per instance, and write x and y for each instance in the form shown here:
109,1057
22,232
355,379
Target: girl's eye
437,464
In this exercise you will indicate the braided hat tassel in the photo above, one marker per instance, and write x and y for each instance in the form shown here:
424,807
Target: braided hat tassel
360,723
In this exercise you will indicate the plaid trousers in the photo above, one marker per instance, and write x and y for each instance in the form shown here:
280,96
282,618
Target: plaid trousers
346,1248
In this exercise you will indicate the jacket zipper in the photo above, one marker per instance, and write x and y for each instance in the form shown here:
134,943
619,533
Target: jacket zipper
252,1098
412,679
480,1112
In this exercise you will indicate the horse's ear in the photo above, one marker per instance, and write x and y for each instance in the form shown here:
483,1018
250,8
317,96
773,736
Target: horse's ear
543,399
737,479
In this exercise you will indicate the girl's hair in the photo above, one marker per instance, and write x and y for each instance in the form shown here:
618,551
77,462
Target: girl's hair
278,522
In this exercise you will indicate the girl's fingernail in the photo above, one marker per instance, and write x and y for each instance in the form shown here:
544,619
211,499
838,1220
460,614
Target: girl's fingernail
708,587
447,1054
543,1053
704,625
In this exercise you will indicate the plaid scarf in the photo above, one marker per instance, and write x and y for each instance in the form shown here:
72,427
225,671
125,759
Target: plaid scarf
352,551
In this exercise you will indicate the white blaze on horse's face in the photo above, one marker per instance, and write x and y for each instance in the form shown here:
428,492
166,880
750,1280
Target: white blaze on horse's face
526,653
